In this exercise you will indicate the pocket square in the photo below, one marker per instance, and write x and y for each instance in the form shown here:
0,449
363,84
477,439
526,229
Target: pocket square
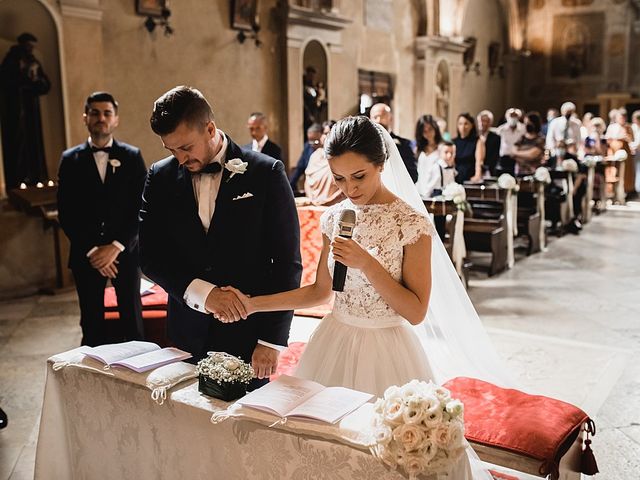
244,195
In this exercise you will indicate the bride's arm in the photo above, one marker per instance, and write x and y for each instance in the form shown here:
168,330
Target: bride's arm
304,297
410,299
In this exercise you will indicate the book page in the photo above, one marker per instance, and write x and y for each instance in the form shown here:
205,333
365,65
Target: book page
282,395
119,351
331,404
157,358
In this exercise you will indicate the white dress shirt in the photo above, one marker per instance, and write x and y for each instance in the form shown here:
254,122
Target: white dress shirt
102,161
439,176
509,136
257,146
425,165
205,188
559,131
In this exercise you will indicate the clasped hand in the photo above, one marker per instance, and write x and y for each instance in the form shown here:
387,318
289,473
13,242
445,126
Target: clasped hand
104,259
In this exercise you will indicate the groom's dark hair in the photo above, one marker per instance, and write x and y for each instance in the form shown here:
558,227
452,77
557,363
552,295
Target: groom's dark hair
358,135
180,105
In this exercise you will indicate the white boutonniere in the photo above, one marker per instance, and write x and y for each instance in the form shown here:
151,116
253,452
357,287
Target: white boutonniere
115,163
236,166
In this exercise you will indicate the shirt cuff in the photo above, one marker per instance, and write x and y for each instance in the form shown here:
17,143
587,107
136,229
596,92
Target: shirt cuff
90,252
118,245
280,348
195,296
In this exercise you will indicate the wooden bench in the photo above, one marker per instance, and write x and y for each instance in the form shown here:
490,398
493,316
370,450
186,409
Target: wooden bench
559,208
529,217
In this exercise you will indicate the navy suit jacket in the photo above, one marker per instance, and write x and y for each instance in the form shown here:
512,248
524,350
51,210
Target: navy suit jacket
253,244
270,149
409,159
93,213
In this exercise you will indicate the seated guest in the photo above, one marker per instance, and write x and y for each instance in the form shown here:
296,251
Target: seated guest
428,138
381,114
319,186
258,126
314,132
528,152
469,150
491,141
441,173
510,133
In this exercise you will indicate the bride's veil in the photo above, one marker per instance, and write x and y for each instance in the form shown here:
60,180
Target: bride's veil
452,335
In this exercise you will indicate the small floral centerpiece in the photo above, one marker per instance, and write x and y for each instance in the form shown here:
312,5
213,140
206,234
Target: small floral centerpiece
419,428
569,165
542,175
223,376
456,193
507,182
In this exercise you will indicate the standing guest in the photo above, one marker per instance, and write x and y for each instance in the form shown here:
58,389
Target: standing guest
441,173
491,141
381,114
551,114
528,152
595,143
428,138
470,150
442,125
563,135
510,132
258,126
214,214
635,146
319,186
620,137
314,133
99,191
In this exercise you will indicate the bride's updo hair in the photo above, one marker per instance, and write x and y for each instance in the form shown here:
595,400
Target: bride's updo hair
357,135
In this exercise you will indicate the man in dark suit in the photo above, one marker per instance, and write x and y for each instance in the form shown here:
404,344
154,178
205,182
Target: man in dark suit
258,126
99,193
214,215
381,114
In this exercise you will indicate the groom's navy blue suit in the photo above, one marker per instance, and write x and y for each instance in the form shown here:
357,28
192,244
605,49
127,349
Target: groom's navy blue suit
253,244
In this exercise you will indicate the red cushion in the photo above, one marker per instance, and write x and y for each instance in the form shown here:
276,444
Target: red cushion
288,359
146,315
153,301
538,427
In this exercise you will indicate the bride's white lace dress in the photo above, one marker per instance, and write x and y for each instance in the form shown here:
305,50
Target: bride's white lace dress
363,343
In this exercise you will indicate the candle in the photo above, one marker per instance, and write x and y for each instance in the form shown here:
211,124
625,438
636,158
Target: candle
23,186
39,185
50,183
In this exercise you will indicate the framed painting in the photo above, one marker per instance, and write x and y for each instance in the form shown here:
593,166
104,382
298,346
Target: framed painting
244,14
153,8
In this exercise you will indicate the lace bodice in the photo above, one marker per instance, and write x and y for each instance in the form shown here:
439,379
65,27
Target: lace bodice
383,230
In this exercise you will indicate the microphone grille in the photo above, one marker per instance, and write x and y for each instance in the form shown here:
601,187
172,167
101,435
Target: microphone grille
348,216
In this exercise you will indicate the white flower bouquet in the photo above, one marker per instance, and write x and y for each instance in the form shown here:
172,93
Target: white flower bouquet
569,165
591,160
419,428
456,192
542,175
223,376
507,181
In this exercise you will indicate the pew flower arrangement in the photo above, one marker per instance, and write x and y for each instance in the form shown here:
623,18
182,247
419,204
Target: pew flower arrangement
456,192
591,160
419,428
223,376
620,156
542,175
569,165
507,182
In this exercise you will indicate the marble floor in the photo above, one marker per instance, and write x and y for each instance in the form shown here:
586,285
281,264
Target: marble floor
567,321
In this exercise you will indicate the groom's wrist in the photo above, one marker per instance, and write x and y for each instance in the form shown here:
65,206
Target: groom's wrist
196,294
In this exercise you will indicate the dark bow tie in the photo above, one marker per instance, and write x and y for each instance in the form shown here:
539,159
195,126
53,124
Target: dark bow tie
101,149
213,168
448,168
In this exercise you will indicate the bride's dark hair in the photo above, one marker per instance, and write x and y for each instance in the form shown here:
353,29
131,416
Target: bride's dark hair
358,135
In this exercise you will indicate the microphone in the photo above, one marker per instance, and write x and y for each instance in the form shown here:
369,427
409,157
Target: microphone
346,225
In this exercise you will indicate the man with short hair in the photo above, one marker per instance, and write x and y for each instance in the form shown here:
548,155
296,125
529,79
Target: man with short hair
381,114
314,135
563,135
510,133
491,141
258,127
99,192
215,215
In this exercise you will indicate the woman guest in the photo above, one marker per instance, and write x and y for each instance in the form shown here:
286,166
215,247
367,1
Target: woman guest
470,150
428,137
528,152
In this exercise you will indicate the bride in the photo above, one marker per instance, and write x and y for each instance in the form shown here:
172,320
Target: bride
395,320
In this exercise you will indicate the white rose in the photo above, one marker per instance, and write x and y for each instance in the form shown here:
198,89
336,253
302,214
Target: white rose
378,407
236,166
414,464
506,181
433,418
455,408
443,394
440,435
409,436
411,389
393,410
231,365
456,435
383,434
414,413
392,392
454,190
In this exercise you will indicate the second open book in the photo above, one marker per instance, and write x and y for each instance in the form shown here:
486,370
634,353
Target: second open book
295,397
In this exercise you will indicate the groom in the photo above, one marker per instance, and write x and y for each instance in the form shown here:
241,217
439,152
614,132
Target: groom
215,215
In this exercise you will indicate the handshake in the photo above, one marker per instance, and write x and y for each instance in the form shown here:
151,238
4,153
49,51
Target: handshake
228,304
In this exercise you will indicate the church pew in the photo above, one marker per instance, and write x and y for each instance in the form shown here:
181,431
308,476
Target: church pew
559,200
529,217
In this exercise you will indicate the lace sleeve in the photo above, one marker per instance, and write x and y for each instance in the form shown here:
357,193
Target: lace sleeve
326,222
414,226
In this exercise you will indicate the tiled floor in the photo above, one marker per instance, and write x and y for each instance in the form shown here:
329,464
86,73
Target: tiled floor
567,321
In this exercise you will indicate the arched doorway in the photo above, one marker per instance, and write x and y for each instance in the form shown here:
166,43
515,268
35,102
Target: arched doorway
16,17
314,92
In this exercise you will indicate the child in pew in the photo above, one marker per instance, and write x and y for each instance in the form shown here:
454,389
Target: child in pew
441,174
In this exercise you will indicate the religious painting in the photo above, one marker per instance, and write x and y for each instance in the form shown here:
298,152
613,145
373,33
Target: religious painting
153,8
577,45
244,14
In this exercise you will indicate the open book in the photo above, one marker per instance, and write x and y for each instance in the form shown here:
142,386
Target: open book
294,397
138,356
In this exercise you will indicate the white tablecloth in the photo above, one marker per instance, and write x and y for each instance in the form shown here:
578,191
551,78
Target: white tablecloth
99,427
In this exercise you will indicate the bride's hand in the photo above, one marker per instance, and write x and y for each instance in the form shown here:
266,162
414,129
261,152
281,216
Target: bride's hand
245,299
350,253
